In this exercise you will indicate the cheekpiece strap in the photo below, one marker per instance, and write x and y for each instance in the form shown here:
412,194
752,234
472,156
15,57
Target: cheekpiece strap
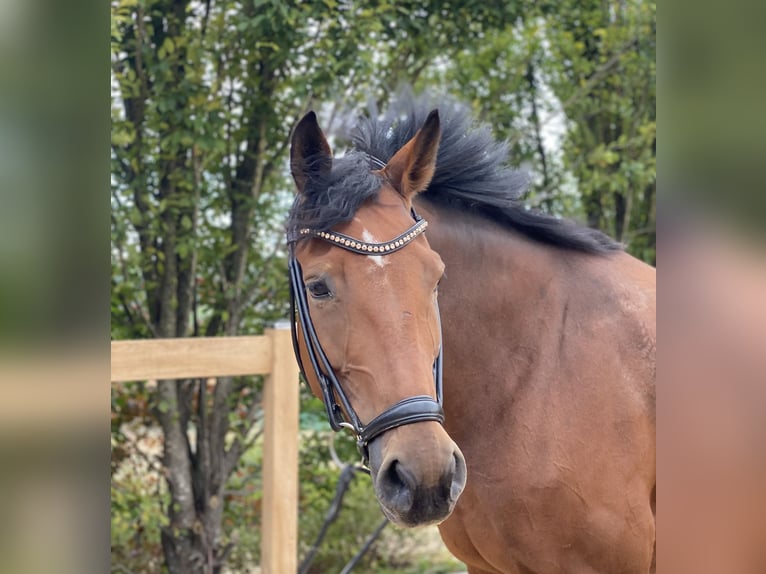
364,248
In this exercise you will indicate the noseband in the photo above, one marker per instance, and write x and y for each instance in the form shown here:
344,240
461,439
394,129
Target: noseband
411,410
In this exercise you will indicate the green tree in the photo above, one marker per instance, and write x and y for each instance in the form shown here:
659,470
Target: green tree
605,75
572,86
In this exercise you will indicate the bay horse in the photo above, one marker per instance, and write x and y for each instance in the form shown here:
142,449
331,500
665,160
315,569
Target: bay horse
536,454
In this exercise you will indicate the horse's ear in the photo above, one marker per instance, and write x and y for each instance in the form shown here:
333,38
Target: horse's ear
310,154
412,167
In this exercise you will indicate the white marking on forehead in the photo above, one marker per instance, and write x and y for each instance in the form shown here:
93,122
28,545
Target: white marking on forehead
378,260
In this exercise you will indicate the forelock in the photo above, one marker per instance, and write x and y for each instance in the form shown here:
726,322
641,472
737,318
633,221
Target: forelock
329,200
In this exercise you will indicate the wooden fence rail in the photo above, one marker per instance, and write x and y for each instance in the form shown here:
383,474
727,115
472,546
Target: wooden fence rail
270,354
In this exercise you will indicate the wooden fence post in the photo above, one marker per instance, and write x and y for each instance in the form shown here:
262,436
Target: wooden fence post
279,524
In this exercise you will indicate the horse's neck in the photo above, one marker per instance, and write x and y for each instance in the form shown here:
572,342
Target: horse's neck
493,273
518,314
503,301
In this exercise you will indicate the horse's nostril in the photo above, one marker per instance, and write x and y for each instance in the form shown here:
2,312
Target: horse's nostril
448,477
397,485
457,476
399,476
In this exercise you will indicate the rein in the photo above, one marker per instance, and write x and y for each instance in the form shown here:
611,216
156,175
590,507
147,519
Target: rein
340,412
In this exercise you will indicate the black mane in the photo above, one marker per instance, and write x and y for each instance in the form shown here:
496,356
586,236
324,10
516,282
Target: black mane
472,175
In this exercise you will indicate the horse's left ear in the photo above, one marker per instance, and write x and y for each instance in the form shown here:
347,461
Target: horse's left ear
412,167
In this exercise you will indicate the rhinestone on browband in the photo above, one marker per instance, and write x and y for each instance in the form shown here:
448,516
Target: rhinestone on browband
352,244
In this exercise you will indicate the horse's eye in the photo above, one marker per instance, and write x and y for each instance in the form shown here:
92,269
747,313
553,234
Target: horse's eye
319,289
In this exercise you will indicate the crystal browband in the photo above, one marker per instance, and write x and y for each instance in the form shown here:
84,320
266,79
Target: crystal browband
352,244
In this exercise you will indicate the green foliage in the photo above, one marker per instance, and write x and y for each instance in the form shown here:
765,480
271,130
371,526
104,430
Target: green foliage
135,526
605,75
140,497
357,520
138,502
242,511
572,87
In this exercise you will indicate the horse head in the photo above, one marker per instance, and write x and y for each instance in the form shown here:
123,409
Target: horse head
365,282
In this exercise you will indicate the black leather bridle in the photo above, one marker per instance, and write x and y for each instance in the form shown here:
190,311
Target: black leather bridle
411,410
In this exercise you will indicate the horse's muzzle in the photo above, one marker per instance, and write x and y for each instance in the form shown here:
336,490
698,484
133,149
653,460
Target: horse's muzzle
410,496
